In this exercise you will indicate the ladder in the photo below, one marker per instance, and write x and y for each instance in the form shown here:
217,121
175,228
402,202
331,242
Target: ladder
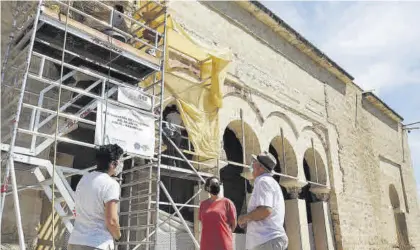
63,204
105,64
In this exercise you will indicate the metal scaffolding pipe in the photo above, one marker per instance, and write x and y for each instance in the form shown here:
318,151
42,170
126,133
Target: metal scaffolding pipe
10,167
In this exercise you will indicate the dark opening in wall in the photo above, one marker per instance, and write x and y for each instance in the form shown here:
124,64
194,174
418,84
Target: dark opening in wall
84,157
277,169
181,190
305,194
234,184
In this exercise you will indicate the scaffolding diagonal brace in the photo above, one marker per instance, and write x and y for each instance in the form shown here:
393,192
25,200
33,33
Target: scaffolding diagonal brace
183,156
179,215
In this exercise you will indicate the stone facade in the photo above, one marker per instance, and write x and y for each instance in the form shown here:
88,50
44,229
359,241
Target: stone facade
277,86
362,155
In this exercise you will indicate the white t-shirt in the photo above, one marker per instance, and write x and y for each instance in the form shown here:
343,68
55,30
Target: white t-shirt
93,191
267,192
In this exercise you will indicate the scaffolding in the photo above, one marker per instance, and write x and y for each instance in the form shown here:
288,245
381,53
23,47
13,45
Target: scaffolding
65,64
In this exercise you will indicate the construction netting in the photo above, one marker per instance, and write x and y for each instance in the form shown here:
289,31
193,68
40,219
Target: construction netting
194,77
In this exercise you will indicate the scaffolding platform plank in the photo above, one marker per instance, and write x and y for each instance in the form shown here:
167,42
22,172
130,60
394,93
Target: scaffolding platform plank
97,50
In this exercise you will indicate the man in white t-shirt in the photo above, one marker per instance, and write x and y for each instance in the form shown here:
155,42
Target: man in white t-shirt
265,217
97,196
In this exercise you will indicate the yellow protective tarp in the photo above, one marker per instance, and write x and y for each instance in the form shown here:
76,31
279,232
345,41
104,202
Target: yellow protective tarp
198,98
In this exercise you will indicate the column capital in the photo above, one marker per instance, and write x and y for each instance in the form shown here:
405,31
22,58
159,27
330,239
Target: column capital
322,193
294,192
293,185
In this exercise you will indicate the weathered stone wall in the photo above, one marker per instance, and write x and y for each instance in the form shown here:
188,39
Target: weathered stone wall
305,94
362,150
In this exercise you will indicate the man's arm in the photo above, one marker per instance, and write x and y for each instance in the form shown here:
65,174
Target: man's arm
111,219
260,213
263,199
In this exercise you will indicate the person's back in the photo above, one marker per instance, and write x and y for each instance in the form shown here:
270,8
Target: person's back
259,232
93,191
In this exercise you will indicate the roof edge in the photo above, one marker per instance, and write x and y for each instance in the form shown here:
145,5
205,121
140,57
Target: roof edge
376,101
266,16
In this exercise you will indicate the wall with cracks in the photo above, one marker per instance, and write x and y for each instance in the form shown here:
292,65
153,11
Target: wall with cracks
359,138
278,87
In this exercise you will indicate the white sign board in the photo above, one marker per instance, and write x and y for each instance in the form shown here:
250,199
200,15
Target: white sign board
131,130
135,98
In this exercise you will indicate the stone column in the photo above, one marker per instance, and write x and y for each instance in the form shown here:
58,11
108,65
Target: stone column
296,222
321,219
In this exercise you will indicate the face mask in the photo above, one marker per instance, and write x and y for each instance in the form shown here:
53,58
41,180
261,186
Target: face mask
251,170
119,167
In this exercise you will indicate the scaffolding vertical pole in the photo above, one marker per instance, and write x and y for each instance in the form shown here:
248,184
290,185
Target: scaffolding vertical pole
10,168
129,203
283,150
313,154
162,89
57,122
243,137
149,203
243,149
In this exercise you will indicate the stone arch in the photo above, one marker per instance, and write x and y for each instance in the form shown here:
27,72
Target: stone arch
232,103
317,133
288,123
317,170
247,99
287,163
276,125
235,186
310,149
252,143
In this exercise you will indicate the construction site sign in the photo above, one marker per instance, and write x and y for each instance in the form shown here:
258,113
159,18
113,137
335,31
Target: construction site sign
135,98
130,129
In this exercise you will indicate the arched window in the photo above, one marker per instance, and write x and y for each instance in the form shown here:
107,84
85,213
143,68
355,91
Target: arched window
235,186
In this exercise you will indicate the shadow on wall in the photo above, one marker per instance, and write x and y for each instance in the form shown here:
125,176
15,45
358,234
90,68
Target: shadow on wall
400,219
45,232
379,115
232,12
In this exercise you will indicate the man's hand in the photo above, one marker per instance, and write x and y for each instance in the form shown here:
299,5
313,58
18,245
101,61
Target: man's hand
243,220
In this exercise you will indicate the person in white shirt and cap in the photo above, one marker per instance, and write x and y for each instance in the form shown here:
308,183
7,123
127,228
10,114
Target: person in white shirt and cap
265,215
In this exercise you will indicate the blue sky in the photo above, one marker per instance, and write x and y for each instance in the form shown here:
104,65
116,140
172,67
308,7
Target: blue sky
378,43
